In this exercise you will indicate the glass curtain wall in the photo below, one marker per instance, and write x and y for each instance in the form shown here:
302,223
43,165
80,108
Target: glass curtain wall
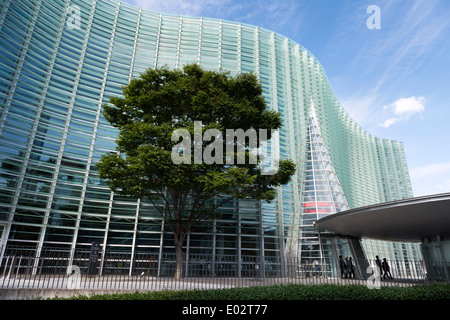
55,76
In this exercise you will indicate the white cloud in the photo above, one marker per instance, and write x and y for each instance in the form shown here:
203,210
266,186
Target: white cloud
430,170
403,109
432,178
389,122
409,106
185,7
445,186
359,107
273,15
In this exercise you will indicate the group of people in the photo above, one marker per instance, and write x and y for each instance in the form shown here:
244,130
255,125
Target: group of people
385,270
347,268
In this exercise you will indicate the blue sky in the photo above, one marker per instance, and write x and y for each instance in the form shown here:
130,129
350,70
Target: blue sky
394,81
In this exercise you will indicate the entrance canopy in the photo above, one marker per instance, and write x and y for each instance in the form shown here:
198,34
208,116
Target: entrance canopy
408,220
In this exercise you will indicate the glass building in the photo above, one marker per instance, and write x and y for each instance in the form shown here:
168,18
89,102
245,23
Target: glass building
61,60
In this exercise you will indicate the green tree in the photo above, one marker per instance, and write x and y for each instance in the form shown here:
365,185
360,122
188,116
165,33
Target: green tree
162,101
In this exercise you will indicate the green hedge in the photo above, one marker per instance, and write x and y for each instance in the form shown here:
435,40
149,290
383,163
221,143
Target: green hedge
289,292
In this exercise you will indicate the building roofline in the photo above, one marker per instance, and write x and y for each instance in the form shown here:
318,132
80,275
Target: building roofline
408,220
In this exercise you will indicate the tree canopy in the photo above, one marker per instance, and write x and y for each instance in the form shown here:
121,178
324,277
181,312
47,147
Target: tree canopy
162,101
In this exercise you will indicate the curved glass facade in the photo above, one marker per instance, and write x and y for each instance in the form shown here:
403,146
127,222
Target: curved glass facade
61,60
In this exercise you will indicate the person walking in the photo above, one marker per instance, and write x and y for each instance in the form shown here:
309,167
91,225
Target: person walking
386,269
316,268
342,267
347,270
351,268
378,262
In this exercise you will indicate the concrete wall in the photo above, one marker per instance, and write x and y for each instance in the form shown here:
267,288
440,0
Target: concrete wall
36,294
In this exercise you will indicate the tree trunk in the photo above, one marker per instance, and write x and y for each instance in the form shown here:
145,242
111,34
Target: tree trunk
179,260
179,239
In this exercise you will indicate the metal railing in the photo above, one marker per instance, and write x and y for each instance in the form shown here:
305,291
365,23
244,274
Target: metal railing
116,270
